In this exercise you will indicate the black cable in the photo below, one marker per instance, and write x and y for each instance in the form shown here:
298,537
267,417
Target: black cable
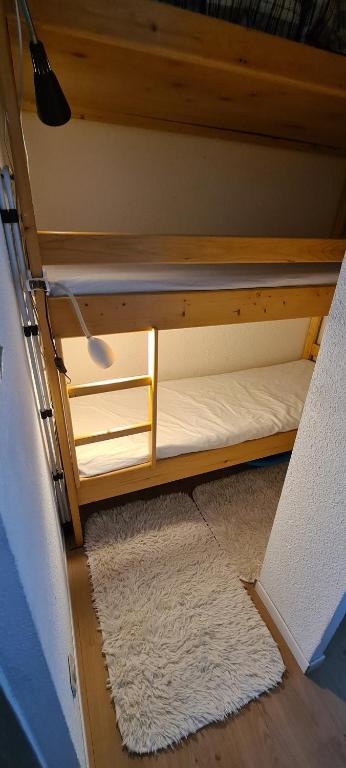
58,360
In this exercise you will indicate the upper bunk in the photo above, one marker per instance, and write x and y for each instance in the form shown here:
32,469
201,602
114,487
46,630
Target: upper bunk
106,54
136,282
153,65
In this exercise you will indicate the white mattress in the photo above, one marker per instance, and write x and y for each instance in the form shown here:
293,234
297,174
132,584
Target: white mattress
145,278
193,414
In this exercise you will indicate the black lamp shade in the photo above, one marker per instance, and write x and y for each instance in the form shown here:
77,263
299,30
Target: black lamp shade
52,107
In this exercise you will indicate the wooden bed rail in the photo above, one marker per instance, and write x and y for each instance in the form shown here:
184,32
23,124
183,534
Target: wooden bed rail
188,464
121,313
106,248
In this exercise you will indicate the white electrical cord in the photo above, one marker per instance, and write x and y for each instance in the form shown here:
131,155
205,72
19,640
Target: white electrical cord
100,352
74,301
27,16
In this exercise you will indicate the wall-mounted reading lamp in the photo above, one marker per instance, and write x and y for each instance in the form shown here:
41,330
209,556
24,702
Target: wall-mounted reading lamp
51,105
53,109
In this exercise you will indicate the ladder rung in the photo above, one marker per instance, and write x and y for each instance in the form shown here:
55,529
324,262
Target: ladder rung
112,385
111,434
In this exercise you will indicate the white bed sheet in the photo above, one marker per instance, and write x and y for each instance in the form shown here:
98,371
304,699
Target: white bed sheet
145,278
193,414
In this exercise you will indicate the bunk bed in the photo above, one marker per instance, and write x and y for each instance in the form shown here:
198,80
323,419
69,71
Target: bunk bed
133,463
182,72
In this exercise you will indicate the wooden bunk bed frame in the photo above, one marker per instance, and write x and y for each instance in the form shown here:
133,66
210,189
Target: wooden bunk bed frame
152,312
117,313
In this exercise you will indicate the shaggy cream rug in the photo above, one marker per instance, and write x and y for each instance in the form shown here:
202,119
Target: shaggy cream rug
240,511
184,644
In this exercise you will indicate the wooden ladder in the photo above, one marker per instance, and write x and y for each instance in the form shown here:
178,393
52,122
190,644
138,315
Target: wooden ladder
115,385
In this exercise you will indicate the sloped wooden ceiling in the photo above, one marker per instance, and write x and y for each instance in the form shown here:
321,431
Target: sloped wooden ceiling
144,63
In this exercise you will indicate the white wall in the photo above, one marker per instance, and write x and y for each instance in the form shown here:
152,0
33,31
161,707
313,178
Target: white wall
192,351
304,571
32,536
90,176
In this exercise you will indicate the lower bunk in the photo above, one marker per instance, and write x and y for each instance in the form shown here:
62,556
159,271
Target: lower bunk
203,424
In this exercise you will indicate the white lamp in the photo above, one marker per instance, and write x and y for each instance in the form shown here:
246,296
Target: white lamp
100,352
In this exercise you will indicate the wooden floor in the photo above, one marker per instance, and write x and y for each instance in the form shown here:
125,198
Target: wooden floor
299,725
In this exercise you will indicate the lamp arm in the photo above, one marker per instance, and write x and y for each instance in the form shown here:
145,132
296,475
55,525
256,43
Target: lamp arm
76,308
51,105
28,18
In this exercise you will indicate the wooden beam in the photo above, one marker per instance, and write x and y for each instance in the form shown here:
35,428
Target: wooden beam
315,350
161,29
112,434
150,64
189,464
112,385
107,248
120,313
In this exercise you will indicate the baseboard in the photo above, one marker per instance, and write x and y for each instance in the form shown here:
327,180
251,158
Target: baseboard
316,663
279,622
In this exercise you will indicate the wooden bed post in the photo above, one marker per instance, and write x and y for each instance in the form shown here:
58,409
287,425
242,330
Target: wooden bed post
59,417
311,346
153,357
311,339
68,417
23,190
